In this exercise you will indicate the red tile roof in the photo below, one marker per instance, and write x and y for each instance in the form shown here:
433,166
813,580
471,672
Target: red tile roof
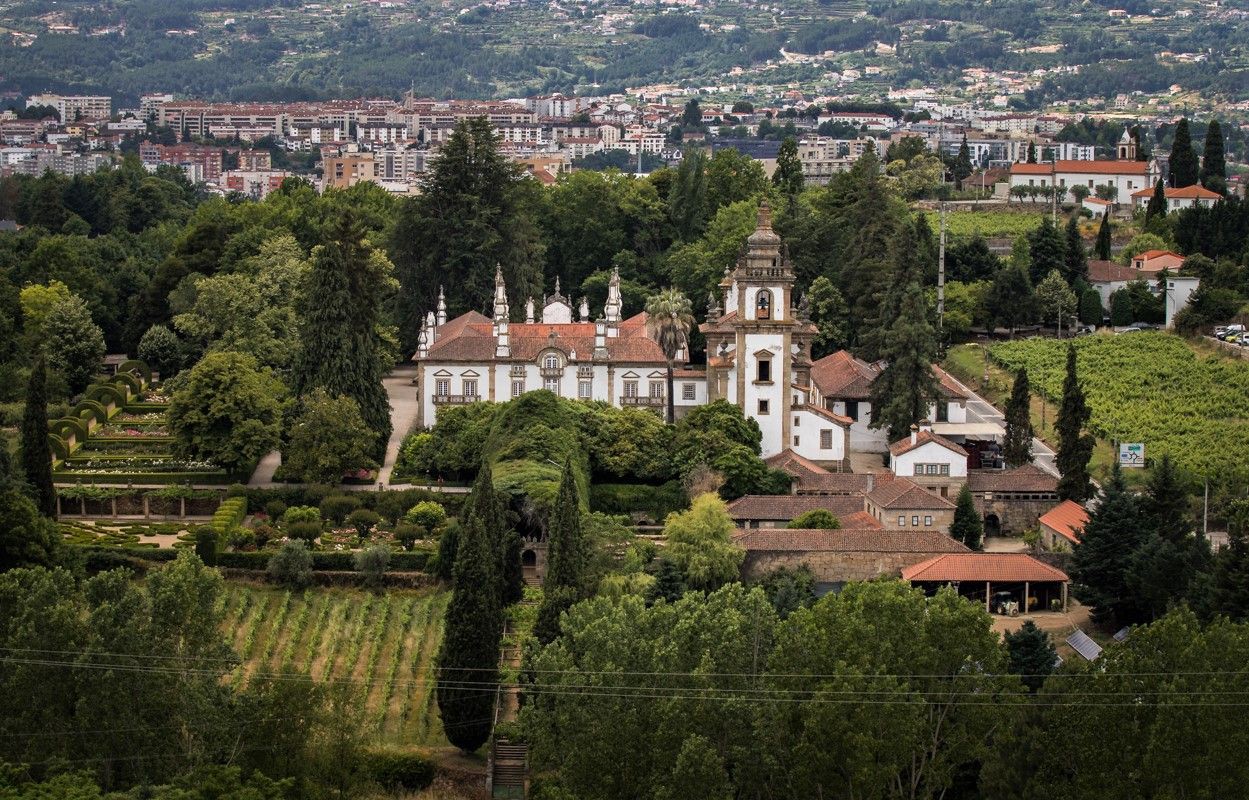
841,420
898,494
786,507
470,337
841,375
1194,192
998,567
1028,478
860,519
922,438
1109,272
1150,255
1067,519
947,384
814,479
1083,167
785,540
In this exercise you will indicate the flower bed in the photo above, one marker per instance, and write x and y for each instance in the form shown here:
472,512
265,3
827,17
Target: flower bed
101,464
131,430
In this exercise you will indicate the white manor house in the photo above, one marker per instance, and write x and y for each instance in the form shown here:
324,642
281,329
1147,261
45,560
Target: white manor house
759,358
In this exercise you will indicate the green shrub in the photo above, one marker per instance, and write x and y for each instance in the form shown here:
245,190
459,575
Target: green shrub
229,515
428,514
656,502
398,771
274,509
407,535
371,564
336,507
307,532
816,518
297,514
206,545
291,566
363,521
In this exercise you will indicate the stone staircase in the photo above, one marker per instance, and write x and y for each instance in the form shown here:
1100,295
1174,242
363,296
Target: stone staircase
509,770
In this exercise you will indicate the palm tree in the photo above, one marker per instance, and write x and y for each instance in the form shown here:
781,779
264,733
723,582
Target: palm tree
669,318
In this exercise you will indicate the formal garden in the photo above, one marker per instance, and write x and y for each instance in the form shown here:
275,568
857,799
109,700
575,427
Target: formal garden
118,434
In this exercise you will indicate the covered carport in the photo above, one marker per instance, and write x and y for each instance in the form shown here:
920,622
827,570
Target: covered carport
1033,584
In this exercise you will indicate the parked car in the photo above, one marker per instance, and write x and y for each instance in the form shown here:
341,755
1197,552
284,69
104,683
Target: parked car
1130,329
1085,330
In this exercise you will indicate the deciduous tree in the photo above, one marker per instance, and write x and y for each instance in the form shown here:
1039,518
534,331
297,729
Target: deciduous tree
74,343
327,440
229,413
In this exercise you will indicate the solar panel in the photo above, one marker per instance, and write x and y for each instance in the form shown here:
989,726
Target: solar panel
1082,644
1122,633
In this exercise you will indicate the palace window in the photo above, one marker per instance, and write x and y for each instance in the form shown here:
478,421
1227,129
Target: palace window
763,304
442,387
687,391
551,385
797,420
943,412
518,388
795,441
763,406
826,439
901,521
470,388
764,372
927,522
852,409
657,389
915,521
551,362
585,389
630,388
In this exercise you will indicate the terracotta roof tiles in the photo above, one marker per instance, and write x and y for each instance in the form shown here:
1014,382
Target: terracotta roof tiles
846,540
1083,168
998,567
922,438
1067,519
1028,478
897,494
786,507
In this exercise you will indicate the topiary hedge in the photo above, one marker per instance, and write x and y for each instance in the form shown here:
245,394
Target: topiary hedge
336,561
657,502
91,409
136,366
390,504
229,516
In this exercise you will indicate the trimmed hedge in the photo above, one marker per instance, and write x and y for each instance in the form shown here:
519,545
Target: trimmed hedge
142,478
398,771
229,516
657,502
137,366
139,559
337,561
390,504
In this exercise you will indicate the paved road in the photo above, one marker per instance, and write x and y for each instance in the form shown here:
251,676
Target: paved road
981,410
403,408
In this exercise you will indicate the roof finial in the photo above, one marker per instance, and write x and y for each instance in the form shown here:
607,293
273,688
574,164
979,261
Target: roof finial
765,216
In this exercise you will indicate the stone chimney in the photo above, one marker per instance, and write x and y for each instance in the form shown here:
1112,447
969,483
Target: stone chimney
914,433
925,426
442,308
600,338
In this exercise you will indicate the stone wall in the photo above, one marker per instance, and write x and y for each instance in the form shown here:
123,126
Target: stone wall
1015,514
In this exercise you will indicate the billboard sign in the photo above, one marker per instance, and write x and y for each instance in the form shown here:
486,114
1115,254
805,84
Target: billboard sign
1132,455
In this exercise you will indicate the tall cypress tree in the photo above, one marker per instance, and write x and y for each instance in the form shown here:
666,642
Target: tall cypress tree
1213,160
962,163
1075,447
36,452
687,200
564,581
489,506
906,266
1184,168
902,392
1031,152
1077,258
1102,248
967,527
1017,447
1157,203
468,662
1047,251
342,349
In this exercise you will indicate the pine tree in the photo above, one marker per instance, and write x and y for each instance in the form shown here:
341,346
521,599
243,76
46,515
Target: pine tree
788,175
1030,654
967,526
902,392
906,267
342,349
1102,248
1012,300
1031,152
1100,561
687,200
669,583
36,451
1075,447
1017,447
468,661
1157,203
1077,258
1047,251
1213,160
1166,502
1184,168
563,584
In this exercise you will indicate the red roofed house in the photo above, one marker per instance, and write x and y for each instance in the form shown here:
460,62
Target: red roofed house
778,510
900,504
1126,175
931,460
1151,262
842,384
979,576
1186,197
1062,525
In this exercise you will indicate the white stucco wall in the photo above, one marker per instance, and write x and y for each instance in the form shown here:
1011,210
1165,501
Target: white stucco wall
929,453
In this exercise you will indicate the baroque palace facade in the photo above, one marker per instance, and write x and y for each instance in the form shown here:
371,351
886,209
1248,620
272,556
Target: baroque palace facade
758,355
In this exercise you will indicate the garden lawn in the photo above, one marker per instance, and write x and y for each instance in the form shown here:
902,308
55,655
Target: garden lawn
381,645
1152,388
989,224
